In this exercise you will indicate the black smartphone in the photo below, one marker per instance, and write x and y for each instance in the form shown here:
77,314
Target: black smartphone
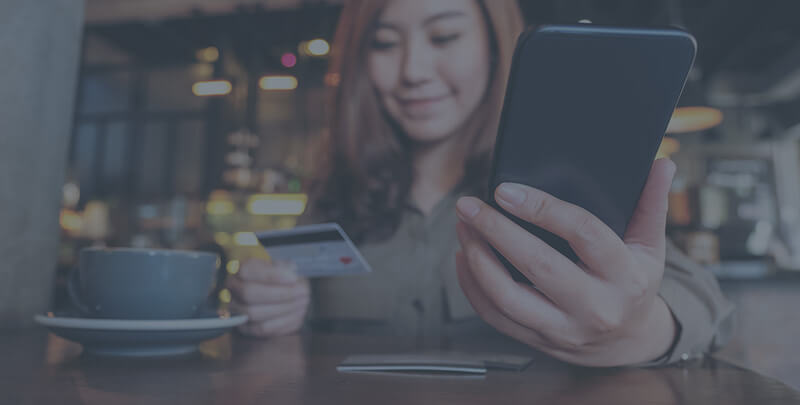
585,110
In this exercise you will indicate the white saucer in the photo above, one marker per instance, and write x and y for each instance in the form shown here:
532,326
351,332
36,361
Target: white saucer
139,338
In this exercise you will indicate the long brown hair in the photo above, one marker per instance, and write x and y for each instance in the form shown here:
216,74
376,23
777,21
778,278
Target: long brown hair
363,168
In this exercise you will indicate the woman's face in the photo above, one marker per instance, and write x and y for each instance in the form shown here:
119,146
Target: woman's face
429,63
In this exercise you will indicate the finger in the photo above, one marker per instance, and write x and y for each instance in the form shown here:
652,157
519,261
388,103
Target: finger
274,327
252,293
562,344
554,274
519,302
648,223
484,307
276,272
260,313
591,239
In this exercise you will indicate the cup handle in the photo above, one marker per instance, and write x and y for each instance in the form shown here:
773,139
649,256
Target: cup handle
73,283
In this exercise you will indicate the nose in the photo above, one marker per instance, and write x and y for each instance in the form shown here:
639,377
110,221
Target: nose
418,63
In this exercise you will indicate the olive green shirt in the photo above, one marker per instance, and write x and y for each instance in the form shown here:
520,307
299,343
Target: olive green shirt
414,291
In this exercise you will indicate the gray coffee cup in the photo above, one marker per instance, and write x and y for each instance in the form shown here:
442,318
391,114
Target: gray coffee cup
125,283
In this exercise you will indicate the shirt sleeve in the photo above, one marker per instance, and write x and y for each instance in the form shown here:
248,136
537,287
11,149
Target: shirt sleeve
703,316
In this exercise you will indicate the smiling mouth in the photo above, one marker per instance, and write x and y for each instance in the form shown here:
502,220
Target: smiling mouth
420,107
421,101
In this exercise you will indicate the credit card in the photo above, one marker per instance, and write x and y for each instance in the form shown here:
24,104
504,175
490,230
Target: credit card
320,250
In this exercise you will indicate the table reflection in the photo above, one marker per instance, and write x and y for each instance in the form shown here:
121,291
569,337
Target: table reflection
301,369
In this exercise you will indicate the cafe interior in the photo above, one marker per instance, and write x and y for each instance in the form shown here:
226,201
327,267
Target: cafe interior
193,125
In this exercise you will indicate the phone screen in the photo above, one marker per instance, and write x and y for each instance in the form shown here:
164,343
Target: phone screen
584,115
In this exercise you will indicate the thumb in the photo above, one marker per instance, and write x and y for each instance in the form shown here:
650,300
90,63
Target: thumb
649,220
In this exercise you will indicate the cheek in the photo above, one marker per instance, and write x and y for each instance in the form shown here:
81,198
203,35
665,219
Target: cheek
383,72
467,72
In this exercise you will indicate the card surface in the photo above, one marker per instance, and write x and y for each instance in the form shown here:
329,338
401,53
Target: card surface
435,361
320,250
430,362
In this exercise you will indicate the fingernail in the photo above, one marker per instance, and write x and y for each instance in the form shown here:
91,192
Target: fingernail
672,167
510,194
467,207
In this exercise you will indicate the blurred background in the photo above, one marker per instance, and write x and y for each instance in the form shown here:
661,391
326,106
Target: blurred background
194,121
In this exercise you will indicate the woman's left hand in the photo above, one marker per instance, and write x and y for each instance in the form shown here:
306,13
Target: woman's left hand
603,310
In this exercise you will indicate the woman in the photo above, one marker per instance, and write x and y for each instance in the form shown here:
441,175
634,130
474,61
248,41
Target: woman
416,110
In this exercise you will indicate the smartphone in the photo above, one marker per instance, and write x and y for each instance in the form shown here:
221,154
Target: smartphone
585,110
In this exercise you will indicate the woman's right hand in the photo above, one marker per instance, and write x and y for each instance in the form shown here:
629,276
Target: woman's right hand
272,295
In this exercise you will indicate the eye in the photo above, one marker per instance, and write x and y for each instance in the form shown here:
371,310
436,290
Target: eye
384,39
379,45
441,40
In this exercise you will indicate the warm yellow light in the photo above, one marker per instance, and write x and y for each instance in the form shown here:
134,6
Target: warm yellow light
219,207
96,220
222,238
668,147
212,88
245,239
277,204
70,221
224,296
332,79
202,70
691,119
278,82
232,266
210,54
318,47
220,195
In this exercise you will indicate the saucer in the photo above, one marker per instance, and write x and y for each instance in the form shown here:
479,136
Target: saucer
139,338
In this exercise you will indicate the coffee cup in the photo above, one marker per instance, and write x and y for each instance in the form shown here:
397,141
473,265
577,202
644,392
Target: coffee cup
127,283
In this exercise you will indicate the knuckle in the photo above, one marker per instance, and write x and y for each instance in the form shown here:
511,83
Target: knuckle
574,341
638,285
539,262
537,207
605,322
588,228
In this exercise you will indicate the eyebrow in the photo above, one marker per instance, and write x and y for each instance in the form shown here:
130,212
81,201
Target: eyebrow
443,15
430,20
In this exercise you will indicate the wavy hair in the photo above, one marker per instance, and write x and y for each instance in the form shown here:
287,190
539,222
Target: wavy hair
363,169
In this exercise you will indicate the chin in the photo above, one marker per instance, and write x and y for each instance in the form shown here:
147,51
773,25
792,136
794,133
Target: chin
430,132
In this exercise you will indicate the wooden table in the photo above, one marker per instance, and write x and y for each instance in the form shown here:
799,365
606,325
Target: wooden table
37,368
